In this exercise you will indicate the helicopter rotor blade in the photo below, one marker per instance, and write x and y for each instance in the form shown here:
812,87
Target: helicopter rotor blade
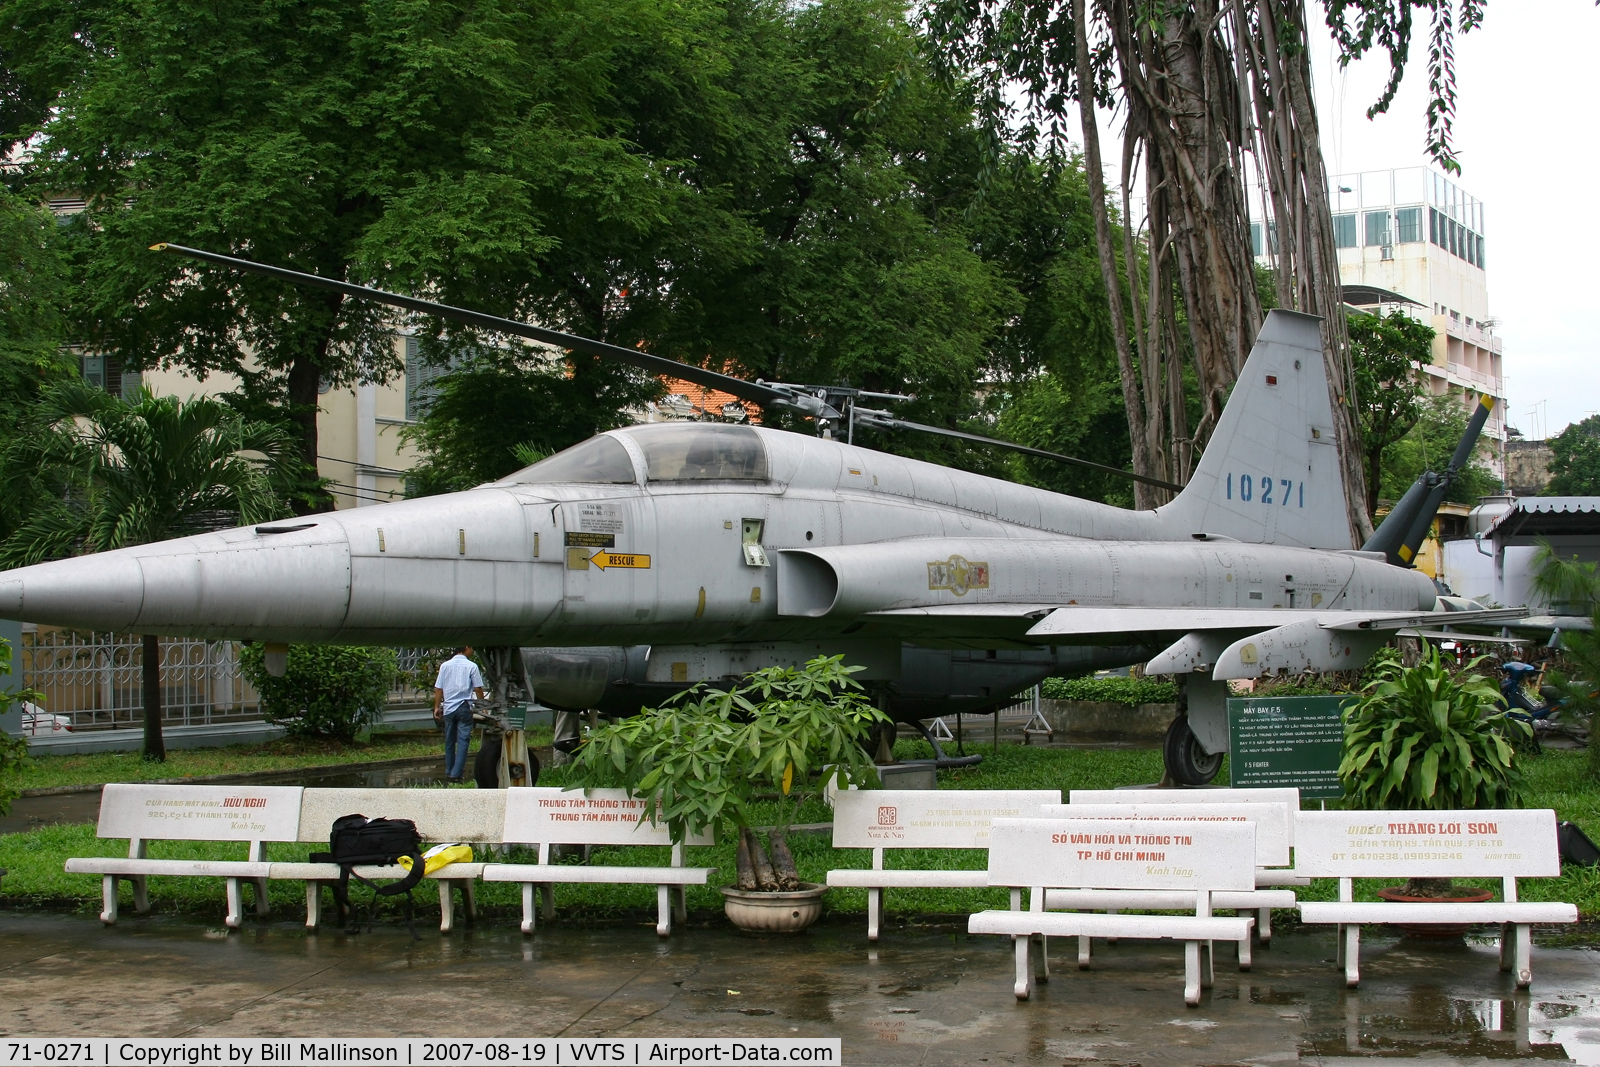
884,421
754,392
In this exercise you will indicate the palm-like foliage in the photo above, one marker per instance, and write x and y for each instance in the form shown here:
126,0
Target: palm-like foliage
700,759
122,474
1572,587
132,473
1422,738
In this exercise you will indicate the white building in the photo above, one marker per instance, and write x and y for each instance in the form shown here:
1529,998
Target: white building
1411,239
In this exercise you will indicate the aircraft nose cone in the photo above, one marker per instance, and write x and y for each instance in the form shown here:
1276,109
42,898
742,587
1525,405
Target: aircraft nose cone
236,583
102,592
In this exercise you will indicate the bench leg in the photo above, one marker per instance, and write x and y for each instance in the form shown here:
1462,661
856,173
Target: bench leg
874,913
108,899
1264,926
663,910
1338,946
1191,973
469,899
1246,958
235,917
1112,911
529,912
1524,963
1352,955
548,893
680,904
447,907
1208,961
1085,949
1507,941
1043,971
141,894
262,903
313,904
1021,986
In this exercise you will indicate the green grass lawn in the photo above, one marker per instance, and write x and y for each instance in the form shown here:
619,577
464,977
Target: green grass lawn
285,754
36,879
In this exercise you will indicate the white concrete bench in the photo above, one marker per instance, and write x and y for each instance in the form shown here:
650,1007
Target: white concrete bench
461,816
1432,844
248,815
1267,877
546,816
1271,822
882,819
1039,854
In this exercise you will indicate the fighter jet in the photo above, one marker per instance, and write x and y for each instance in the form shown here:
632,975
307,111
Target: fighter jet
728,547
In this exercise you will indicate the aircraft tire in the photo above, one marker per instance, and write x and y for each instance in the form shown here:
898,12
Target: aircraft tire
1187,763
486,768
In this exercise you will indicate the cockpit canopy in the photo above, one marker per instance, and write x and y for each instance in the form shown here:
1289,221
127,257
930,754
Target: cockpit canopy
673,452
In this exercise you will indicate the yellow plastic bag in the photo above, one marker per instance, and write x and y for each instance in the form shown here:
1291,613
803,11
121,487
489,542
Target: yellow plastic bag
440,856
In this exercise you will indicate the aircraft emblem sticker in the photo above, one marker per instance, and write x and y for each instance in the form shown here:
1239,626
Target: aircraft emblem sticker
957,575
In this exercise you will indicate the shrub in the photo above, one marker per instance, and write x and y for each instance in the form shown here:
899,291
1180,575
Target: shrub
327,691
1112,690
13,750
1424,739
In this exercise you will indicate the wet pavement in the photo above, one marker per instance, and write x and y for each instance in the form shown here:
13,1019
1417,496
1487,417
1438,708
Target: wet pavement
927,995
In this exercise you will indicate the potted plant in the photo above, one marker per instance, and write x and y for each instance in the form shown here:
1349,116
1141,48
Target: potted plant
702,758
1424,739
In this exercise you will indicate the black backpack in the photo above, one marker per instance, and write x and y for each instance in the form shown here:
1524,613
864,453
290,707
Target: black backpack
359,841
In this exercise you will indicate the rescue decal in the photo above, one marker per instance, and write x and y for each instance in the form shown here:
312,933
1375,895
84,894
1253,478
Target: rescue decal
625,560
957,575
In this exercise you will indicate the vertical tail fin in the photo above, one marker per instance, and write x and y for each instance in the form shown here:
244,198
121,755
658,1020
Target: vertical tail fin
1270,474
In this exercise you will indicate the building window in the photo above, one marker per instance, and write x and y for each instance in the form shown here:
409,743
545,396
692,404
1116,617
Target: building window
1255,238
1377,228
422,381
1408,221
105,372
1344,231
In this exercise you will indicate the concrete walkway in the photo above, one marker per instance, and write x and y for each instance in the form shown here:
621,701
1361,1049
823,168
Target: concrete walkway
924,996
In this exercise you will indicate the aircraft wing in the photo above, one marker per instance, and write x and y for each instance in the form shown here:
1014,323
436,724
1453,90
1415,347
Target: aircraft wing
1224,642
1096,620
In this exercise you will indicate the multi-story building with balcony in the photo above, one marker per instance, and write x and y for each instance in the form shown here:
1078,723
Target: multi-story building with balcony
1412,240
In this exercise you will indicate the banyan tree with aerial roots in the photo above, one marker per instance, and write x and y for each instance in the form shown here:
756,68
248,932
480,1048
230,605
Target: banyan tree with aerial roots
1219,127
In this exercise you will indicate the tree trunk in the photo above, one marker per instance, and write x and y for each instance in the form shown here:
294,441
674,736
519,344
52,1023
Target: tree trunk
155,747
745,864
303,386
1277,47
1093,170
783,862
766,877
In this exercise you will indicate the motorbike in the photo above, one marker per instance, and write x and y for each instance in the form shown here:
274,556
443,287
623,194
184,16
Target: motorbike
1525,699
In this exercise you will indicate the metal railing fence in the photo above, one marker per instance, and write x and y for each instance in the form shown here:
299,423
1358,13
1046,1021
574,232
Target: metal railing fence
97,679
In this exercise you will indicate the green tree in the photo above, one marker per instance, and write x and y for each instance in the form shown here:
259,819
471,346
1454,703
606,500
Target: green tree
325,690
32,330
380,140
129,473
1385,351
502,402
1429,446
1575,460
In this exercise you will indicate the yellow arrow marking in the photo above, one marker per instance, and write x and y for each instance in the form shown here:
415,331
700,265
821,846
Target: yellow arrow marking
626,560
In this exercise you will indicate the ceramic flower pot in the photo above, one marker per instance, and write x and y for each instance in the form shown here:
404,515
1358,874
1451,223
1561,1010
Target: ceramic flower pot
773,913
1461,895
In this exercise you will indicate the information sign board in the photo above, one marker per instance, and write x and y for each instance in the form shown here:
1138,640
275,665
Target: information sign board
1287,741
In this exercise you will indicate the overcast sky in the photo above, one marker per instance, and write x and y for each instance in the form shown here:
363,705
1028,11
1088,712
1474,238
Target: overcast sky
1527,134
1527,125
